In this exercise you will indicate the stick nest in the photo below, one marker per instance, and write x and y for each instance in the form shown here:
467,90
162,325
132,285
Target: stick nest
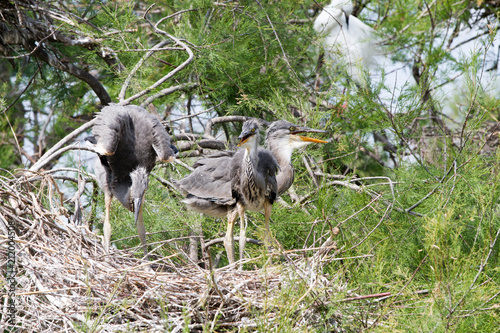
66,282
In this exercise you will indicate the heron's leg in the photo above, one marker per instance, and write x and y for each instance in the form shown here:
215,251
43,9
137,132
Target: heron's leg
267,215
197,232
243,231
141,230
229,239
107,226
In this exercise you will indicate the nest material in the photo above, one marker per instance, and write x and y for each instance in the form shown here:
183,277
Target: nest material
66,282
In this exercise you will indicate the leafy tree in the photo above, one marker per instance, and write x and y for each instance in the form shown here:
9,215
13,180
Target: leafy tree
407,188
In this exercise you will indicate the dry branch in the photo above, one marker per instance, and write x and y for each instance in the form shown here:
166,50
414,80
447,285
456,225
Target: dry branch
227,119
52,153
166,77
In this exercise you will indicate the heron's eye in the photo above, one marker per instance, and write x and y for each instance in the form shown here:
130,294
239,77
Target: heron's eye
293,128
253,130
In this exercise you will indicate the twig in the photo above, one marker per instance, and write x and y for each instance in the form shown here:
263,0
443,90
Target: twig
201,112
48,156
433,190
380,295
227,119
168,91
481,268
236,238
359,211
371,231
169,75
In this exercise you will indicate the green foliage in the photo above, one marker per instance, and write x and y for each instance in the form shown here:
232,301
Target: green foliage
420,222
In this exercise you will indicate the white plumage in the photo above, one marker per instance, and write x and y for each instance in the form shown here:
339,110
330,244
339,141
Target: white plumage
347,40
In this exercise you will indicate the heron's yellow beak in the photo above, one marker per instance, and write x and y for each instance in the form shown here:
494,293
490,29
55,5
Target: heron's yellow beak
308,139
244,138
242,141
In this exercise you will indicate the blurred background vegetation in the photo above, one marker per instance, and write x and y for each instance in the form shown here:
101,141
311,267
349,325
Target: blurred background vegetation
409,178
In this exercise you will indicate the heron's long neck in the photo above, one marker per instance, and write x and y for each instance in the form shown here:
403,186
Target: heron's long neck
249,175
251,156
283,154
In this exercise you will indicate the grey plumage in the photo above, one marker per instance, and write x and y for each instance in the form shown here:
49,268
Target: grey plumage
208,188
129,141
283,138
227,184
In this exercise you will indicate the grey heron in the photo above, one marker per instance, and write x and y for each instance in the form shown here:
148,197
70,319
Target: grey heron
283,138
230,183
129,141
208,187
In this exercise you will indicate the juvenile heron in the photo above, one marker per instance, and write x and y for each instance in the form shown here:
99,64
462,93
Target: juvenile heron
208,188
129,141
230,183
283,138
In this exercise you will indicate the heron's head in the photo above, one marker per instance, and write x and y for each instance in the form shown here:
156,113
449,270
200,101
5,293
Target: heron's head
249,136
345,6
283,136
330,16
287,133
138,189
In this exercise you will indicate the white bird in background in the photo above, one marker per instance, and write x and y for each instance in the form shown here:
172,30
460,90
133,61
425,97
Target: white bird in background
348,41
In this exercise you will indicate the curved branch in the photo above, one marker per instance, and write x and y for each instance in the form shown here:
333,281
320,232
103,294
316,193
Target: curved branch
227,119
51,153
166,77
236,238
168,91
157,47
79,73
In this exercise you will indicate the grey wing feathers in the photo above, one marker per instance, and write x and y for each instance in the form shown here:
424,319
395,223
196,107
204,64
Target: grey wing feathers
209,180
109,124
161,141
269,167
159,138
208,159
114,120
235,175
207,206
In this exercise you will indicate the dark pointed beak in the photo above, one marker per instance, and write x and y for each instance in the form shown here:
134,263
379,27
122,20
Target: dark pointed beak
308,130
137,208
346,19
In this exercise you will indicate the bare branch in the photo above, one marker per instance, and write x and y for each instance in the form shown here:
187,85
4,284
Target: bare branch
177,69
168,91
50,154
201,112
79,73
227,119
236,238
121,95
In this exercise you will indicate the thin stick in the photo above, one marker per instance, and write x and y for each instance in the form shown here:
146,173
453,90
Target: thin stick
47,157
